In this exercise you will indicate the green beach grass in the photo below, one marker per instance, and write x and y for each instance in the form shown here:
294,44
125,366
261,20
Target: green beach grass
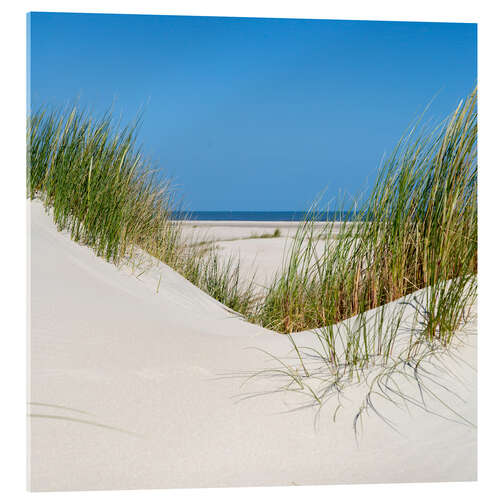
101,189
417,229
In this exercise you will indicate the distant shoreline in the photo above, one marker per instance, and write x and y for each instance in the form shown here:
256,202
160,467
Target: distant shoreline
260,216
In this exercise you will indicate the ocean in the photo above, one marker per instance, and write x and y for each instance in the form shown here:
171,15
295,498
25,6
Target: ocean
262,216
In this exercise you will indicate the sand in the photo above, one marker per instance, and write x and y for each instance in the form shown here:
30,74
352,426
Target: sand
241,241
135,383
227,230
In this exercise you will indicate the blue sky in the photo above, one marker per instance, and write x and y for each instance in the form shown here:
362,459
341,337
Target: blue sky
255,114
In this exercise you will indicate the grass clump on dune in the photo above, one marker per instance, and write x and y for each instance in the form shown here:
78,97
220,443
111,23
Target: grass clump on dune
98,185
101,189
417,229
275,234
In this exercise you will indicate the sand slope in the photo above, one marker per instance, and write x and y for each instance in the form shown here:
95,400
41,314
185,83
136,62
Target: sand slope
126,392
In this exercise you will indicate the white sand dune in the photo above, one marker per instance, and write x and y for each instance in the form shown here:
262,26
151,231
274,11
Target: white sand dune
126,391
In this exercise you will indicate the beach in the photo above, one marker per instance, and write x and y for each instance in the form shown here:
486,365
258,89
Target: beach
140,380
250,243
252,251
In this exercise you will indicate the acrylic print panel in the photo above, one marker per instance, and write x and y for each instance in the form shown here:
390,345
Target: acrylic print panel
253,251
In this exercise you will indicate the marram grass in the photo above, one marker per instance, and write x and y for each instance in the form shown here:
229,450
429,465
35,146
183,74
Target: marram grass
417,229
101,189
98,185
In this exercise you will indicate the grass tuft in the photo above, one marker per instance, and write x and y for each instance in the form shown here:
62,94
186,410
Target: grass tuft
101,189
417,229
